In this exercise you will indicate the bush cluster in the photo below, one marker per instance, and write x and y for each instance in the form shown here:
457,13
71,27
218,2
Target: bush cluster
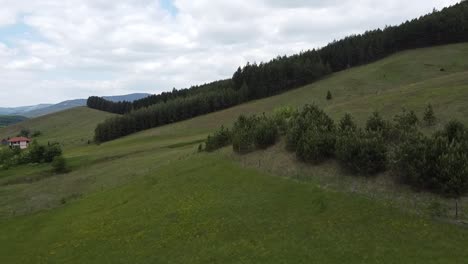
310,118
438,163
282,117
249,133
36,153
362,152
219,139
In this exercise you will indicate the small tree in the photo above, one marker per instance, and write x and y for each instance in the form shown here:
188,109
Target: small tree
282,116
347,123
265,133
376,123
200,148
59,164
406,120
24,132
219,139
329,96
243,139
36,152
36,133
455,131
316,145
51,151
429,116
310,117
362,152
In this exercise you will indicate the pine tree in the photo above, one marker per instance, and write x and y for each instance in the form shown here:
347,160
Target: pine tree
347,123
429,116
329,95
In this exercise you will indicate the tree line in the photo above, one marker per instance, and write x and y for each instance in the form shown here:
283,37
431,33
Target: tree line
254,81
165,113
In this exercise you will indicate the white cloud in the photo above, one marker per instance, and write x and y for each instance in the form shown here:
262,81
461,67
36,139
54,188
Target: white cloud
103,47
33,63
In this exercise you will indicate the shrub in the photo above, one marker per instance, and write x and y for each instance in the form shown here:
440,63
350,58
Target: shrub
59,164
455,131
243,139
452,171
376,123
409,160
429,116
36,133
219,139
282,117
316,146
437,164
406,120
36,152
311,117
51,151
347,123
329,96
24,132
265,133
362,152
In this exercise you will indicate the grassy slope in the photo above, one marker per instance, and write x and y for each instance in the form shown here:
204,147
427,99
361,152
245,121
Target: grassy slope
409,79
208,210
6,120
70,127
149,197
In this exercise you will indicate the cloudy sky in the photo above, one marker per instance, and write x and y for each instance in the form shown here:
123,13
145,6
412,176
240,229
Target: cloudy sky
53,50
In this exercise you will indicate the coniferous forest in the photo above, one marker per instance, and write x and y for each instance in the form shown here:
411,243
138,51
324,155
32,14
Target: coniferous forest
254,81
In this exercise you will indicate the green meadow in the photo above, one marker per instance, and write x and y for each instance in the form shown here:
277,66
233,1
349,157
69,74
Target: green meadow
151,198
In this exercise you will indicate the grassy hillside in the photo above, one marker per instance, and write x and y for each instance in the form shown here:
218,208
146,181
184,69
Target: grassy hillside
151,198
70,127
208,210
409,79
6,120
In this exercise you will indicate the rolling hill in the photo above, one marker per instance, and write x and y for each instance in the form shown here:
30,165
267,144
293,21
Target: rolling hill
150,197
70,127
21,110
44,109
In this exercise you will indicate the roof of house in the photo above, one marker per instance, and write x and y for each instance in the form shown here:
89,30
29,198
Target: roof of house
19,139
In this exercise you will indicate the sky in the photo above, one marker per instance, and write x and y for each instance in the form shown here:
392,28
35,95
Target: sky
55,50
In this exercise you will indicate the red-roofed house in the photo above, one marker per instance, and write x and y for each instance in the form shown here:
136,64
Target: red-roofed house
21,142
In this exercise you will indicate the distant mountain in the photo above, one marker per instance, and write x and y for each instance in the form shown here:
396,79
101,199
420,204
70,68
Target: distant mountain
22,109
55,108
128,97
44,109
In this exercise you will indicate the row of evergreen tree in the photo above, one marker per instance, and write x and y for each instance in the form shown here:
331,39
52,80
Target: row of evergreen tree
254,81
102,104
437,163
179,109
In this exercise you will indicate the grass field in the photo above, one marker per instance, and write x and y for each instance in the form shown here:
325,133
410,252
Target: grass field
208,210
150,198
70,127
